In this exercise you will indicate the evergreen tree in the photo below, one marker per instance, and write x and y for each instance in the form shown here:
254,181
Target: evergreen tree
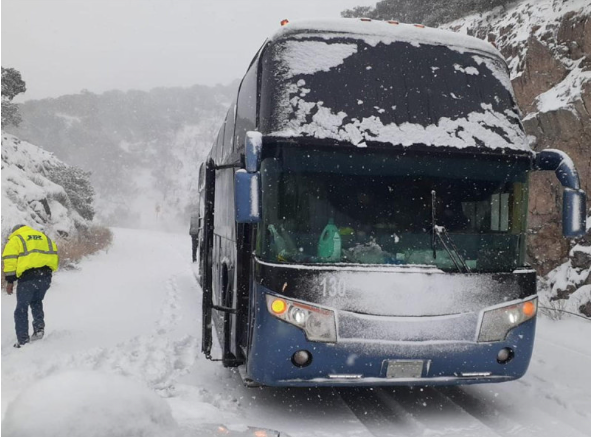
12,85
76,183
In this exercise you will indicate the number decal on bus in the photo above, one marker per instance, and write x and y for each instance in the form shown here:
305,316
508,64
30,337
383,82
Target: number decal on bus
332,286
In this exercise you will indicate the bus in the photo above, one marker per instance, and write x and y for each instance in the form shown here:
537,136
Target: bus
365,207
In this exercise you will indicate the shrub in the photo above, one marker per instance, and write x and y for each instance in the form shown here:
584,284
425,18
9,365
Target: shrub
92,240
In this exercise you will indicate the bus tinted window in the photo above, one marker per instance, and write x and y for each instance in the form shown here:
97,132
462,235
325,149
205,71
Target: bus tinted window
229,129
246,113
381,205
397,93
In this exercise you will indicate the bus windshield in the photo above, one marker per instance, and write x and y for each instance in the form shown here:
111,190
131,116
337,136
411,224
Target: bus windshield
343,206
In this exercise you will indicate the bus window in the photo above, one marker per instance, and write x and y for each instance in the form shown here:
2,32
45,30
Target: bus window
382,207
246,111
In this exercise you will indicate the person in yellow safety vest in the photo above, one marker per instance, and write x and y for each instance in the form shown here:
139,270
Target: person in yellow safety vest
29,257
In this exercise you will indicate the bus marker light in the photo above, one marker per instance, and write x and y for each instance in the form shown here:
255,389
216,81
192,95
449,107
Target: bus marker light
475,374
302,358
284,22
279,306
529,309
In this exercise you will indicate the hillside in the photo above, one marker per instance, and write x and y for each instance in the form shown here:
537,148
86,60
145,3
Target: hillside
29,196
143,148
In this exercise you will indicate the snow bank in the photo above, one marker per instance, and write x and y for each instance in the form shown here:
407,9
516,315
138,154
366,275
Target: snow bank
89,404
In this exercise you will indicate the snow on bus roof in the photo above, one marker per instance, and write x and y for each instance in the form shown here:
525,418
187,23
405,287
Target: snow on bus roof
373,32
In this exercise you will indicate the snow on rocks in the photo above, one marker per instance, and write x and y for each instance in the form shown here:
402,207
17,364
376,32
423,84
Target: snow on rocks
90,404
517,28
28,196
567,287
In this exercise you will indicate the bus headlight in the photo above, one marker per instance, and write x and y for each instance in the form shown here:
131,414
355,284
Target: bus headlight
317,323
498,322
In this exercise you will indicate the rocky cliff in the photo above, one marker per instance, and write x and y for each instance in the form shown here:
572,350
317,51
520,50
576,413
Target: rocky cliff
547,46
29,196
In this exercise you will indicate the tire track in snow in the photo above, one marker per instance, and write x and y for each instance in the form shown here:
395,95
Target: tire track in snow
432,413
382,419
499,418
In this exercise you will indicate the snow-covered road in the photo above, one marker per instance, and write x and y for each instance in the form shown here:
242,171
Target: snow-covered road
135,311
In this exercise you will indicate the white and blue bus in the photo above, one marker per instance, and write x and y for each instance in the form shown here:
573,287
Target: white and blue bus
365,212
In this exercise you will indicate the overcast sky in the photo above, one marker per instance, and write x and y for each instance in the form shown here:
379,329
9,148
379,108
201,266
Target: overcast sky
65,46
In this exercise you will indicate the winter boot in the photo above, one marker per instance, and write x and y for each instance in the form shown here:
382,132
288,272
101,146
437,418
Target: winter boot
37,335
19,345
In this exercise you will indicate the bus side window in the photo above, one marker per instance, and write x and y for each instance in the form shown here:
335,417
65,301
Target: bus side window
217,151
246,112
228,132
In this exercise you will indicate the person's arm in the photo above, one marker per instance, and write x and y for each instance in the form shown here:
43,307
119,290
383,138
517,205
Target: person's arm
10,259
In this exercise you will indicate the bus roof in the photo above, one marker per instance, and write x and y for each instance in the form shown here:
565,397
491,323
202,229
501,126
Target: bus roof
373,32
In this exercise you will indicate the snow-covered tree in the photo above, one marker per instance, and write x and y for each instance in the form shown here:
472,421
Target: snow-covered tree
12,85
76,183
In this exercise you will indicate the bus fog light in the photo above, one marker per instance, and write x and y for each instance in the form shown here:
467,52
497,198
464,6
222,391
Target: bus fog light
302,358
505,355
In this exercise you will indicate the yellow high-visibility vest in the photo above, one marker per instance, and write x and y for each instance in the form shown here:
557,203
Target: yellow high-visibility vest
28,249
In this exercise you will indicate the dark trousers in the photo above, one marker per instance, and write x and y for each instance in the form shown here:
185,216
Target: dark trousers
194,244
30,293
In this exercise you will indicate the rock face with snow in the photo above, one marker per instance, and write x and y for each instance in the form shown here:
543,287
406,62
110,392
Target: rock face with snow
547,46
28,196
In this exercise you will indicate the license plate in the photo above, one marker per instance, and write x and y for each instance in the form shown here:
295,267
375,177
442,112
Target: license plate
404,368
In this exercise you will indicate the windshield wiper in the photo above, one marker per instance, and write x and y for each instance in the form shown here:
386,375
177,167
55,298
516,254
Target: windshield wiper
439,232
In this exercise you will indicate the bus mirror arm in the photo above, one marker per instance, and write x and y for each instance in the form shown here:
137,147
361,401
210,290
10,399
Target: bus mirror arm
574,198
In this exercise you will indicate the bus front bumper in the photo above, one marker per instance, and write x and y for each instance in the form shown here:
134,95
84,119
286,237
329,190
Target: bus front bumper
377,363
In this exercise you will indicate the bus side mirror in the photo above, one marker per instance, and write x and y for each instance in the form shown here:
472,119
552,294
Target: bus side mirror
574,198
253,143
247,196
574,213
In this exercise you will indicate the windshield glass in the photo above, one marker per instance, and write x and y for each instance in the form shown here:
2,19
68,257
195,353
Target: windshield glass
323,206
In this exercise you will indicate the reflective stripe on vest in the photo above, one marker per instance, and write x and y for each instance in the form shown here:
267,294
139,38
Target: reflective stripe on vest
26,251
